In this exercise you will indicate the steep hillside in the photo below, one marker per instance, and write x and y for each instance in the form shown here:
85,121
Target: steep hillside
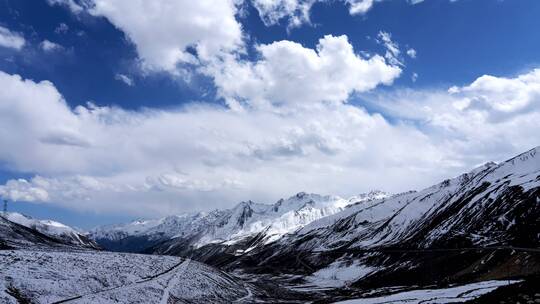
481,225
13,235
55,230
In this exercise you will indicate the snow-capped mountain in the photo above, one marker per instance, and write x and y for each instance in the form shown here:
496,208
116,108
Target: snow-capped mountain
248,219
450,242
52,229
154,229
483,207
484,224
13,235
285,216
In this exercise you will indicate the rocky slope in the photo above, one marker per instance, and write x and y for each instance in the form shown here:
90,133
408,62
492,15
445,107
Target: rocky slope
53,229
14,236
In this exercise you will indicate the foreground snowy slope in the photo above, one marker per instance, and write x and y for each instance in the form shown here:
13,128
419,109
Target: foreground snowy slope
458,294
30,276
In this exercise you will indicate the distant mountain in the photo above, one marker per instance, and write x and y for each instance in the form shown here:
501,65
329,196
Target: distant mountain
234,227
41,232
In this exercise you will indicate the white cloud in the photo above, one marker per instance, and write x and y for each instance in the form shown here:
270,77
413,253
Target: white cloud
164,39
11,39
500,96
297,12
200,157
393,53
412,53
490,119
125,79
272,11
71,4
155,162
49,46
22,190
359,7
288,73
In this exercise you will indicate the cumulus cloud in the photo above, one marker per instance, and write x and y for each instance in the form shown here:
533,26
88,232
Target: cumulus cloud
198,157
492,118
288,73
155,162
210,38
40,189
163,40
500,96
22,190
9,39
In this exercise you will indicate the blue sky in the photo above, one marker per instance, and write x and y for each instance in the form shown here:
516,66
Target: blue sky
198,134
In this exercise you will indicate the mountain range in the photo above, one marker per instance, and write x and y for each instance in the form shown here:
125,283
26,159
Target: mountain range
242,224
479,230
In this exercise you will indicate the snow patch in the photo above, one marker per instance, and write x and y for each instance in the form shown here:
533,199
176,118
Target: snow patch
458,294
339,274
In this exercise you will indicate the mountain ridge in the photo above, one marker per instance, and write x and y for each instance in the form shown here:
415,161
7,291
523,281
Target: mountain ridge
233,225
480,225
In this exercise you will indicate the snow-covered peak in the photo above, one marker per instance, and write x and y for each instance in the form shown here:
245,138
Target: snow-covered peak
167,227
118,231
447,208
369,196
244,220
250,206
283,217
50,228
302,200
